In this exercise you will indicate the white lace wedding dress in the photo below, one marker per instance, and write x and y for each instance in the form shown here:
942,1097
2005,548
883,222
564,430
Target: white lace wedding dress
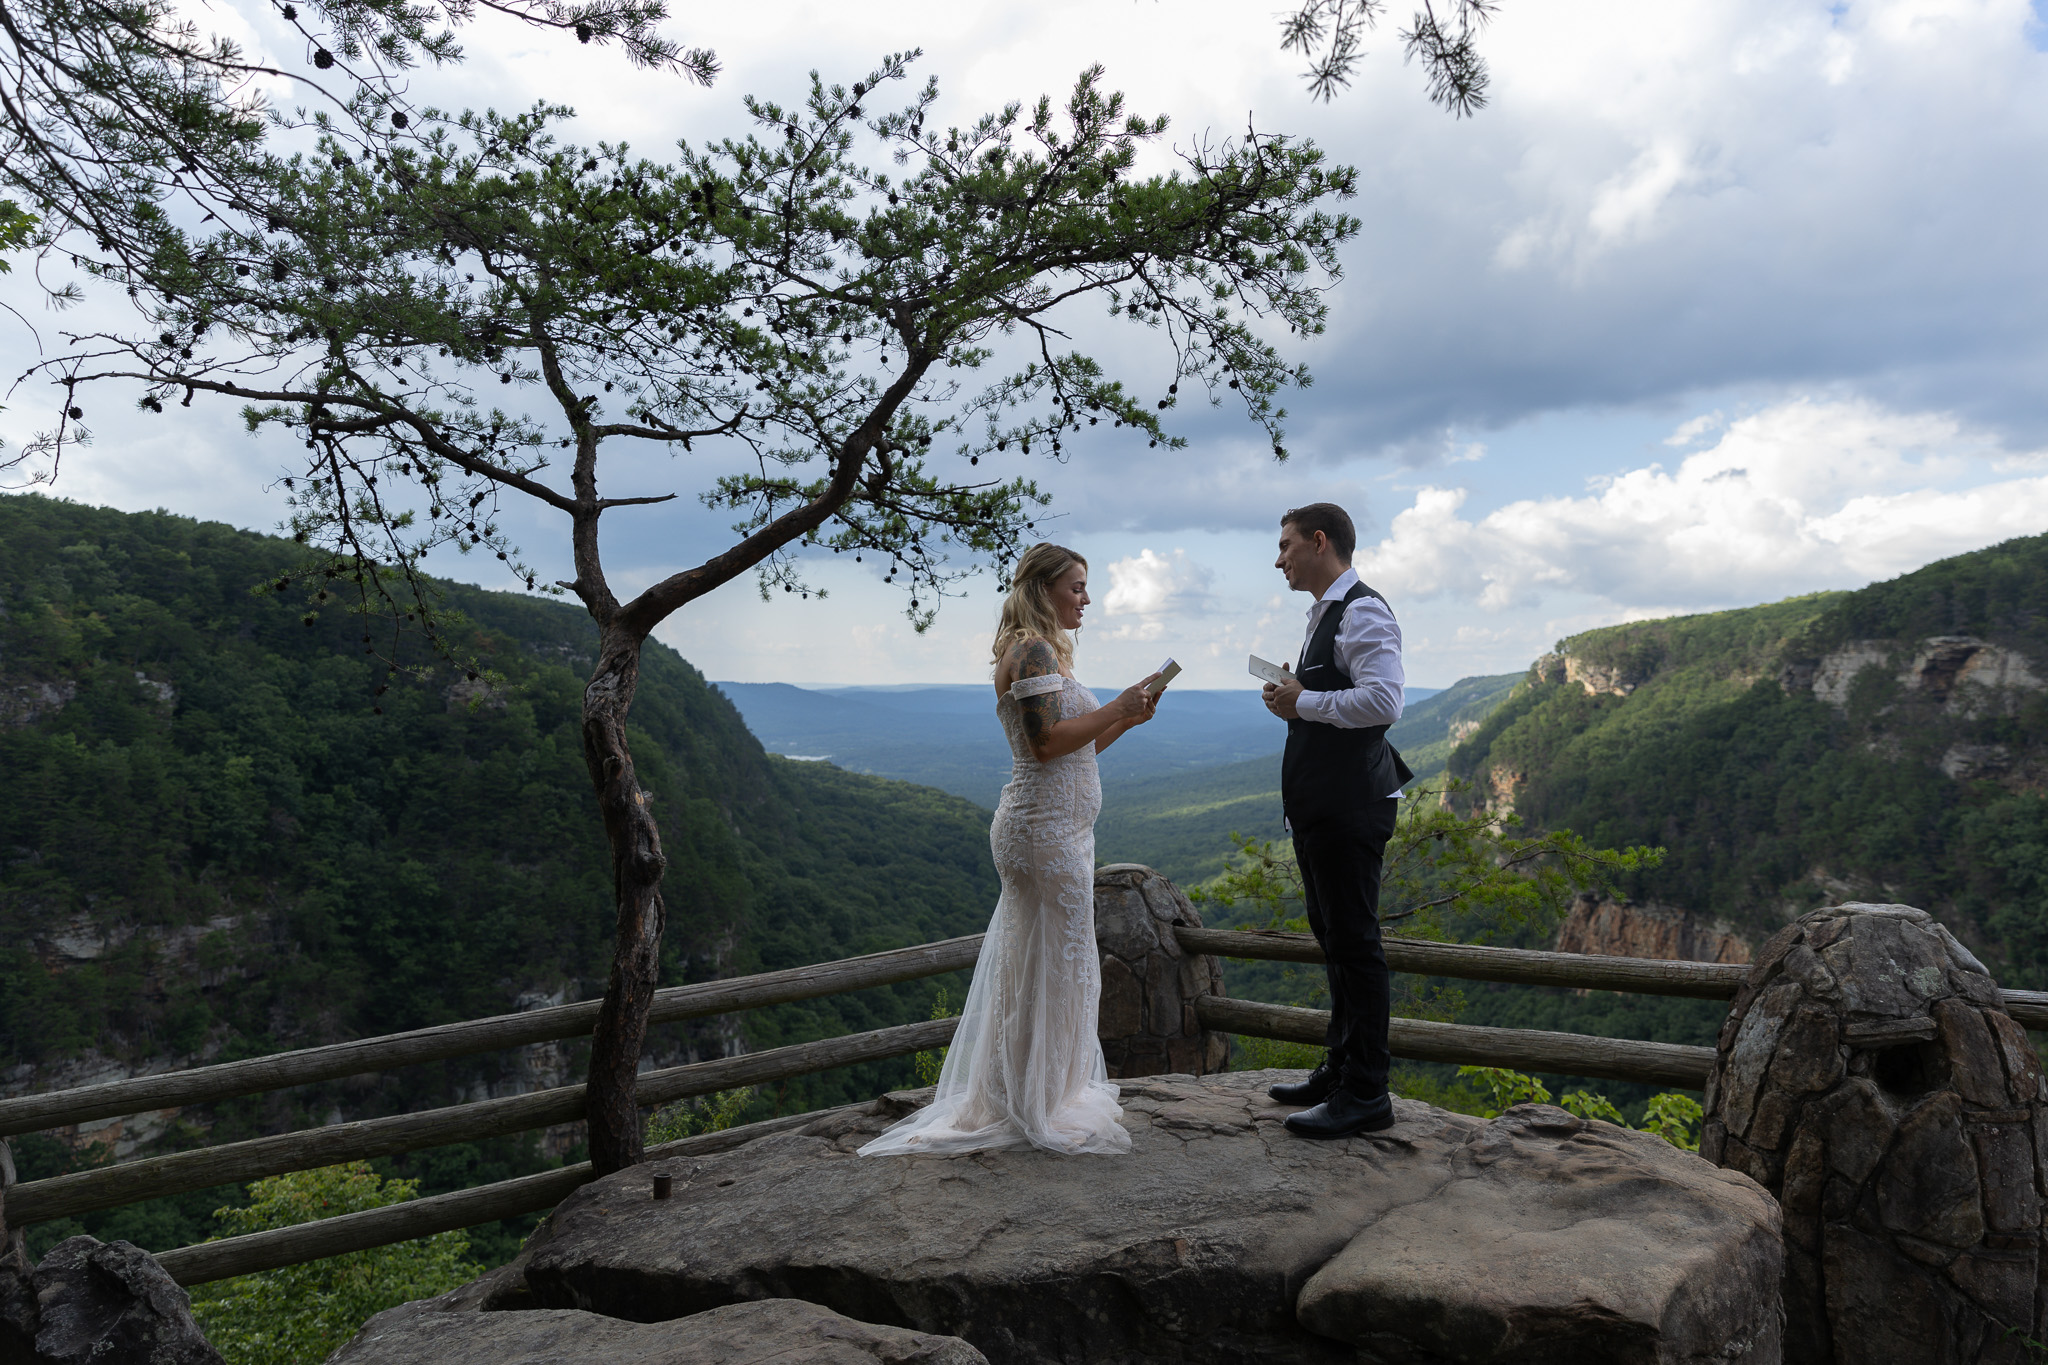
1025,1067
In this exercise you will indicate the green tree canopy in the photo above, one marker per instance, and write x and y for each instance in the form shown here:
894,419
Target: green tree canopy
118,118
15,225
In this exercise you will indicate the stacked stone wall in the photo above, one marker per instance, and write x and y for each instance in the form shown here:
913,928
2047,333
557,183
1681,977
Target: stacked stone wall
1147,1021
1870,1078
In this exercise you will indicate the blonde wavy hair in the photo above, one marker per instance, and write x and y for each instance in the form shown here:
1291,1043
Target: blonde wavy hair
1027,612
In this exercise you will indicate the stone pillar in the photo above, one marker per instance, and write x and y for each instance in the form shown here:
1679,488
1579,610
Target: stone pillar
1870,1078
1149,985
10,1242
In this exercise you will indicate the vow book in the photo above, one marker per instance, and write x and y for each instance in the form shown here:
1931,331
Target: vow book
1267,672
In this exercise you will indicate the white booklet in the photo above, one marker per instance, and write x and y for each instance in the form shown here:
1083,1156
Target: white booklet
1168,671
1272,673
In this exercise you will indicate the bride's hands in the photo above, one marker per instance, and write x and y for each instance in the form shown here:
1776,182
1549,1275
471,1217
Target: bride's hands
1134,705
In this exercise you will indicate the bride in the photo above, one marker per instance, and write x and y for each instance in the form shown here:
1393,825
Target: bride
1025,1066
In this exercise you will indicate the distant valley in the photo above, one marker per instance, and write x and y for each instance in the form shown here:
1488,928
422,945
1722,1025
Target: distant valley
1173,792
226,835
948,737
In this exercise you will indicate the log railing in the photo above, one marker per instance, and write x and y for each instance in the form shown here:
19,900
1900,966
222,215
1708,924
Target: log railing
1421,1040
39,1201
229,1080
316,1241
1521,966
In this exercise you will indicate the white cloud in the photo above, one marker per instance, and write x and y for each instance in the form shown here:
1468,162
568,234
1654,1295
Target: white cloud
1149,584
1702,196
1805,494
1690,432
1626,206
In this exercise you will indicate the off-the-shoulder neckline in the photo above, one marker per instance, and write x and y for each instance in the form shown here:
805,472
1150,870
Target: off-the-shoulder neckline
1010,693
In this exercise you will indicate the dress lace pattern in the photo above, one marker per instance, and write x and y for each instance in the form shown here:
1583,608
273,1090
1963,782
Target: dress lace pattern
1025,1067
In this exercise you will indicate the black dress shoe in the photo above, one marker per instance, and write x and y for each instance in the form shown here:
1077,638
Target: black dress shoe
1314,1090
1342,1115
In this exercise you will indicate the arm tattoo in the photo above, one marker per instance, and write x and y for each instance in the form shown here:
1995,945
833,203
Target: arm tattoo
1039,713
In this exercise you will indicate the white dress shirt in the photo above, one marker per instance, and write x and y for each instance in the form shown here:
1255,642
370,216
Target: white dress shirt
1369,650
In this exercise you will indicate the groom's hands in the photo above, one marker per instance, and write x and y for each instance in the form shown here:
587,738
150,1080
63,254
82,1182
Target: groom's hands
1280,698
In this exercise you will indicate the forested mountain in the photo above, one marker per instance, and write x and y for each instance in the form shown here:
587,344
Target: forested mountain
1431,727
1889,743
214,844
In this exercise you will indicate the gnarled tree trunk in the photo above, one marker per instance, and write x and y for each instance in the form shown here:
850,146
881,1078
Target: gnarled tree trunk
637,867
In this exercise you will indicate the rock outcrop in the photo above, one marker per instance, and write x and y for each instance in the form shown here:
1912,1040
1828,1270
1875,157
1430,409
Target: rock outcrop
764,1332
17,1308
97,1303
1533,1238
1962,674
1147,1020
1624,928
1870,1077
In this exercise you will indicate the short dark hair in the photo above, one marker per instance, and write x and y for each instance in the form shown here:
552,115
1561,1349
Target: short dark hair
1328,518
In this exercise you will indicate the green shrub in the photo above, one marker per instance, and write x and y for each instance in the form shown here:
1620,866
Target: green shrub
699,1114
300,1314
1588,1105
1675,1118
930,1064
1505,1088
1671,1116
1259,1054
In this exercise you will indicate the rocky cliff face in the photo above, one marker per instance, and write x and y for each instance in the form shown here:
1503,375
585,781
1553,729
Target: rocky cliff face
1958,686
229,948
1604,926
1613,678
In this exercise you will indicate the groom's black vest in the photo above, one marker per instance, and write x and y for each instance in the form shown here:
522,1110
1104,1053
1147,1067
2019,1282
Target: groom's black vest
1330,771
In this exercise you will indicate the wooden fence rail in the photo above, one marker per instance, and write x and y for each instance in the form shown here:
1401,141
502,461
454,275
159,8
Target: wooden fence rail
1472,962
302,1242
203,1084
1413,1039
40,1201
1420,1040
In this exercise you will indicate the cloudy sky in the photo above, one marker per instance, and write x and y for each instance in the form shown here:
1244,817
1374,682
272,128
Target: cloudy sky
1720,301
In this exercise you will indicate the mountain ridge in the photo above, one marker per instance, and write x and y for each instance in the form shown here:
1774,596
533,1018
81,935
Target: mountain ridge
1886,743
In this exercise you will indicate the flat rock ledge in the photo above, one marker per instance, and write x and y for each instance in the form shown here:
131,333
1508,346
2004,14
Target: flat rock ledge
1536,1237
766,1332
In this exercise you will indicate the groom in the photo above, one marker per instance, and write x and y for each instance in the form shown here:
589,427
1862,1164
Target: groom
1338,787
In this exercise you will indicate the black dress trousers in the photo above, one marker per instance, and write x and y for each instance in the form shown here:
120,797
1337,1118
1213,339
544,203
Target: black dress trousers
1341,855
